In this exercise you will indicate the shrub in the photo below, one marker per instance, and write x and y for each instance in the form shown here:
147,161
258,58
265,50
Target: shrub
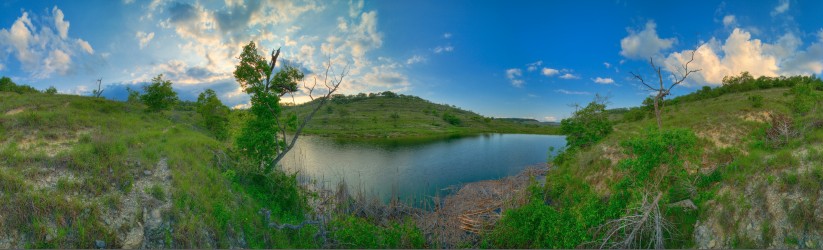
756,101
214,113
586,126
51,90
452,119
159,95
781,130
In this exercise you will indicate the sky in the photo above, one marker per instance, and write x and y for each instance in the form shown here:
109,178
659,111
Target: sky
527,59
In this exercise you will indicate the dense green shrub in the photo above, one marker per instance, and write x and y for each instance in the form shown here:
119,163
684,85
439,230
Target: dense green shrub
7,85
51,90
586,126
214,113
452,119
756,101
355,232
159,95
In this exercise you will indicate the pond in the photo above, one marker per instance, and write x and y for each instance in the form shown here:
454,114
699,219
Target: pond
414,170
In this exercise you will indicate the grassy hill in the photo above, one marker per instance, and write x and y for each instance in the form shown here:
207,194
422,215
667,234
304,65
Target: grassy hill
76,170
390,115
749,191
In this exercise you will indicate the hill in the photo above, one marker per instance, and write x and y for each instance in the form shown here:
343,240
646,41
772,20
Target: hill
81,172
390,115
753,181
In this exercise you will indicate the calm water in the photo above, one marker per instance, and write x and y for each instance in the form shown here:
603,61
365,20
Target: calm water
416,169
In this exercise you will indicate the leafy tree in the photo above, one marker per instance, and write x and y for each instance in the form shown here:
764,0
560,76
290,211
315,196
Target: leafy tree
452,119
51,90
7,85
159,95
587,125
134,96
214,113
263,138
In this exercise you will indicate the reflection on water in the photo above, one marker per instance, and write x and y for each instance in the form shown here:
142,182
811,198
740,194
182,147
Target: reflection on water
414,169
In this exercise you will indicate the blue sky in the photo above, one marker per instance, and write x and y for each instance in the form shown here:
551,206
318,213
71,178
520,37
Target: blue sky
497,58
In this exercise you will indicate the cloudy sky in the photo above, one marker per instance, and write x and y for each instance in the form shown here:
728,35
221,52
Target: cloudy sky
497,58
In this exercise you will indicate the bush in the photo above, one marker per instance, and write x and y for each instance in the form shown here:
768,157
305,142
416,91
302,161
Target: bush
354,232
51,90
756,101
6,85
586,126
214,113
452,119
159,95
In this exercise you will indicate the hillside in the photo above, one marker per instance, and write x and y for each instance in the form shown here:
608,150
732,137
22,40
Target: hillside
80,172
748,190
389,115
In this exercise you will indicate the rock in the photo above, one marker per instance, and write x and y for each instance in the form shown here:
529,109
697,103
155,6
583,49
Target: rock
712,243
135,238
147,172
99,244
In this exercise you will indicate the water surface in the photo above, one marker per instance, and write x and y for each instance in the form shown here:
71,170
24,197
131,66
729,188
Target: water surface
412,170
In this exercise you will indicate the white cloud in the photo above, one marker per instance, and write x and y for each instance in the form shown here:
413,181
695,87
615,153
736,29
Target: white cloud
144,38
781,8
603,80
447,35
41,44
415,59
128,1
608,65
729,20
569,76
549,72
441,49
550,118
533,66
85,46
568,92
740,52
513,75
61,25
645,43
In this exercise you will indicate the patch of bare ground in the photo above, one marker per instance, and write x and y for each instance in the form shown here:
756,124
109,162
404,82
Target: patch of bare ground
754,116
51,144
16,111
459,219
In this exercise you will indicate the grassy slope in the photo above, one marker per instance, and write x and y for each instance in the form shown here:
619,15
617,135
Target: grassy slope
736,180
67,162
372,117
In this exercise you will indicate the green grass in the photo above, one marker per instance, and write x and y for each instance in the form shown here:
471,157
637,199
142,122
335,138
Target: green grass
405,116
106,146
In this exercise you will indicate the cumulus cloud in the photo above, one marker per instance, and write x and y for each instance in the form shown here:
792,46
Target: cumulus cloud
42,44
740,52
143,38
447,35
603,80
645,43
569,92
608,65
514,77
550,118
549,72
569,76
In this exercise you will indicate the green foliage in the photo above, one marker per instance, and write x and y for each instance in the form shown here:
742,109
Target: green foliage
159,95
7,85
51,90
134,96
156,191
756,101
258,139
214,113
655,149
452,119
355,232
586,126
806,99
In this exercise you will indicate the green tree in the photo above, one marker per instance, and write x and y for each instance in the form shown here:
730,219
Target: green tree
587,125
263,137
134,96
214,113
159,95
51,90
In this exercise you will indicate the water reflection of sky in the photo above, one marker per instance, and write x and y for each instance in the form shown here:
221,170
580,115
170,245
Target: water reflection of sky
412,170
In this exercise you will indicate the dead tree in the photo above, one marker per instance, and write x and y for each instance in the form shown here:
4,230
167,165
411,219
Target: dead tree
664,91
642,223
329,80
97,92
